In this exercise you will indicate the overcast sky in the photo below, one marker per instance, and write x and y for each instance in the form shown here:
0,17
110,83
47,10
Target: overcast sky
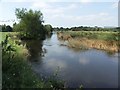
61,13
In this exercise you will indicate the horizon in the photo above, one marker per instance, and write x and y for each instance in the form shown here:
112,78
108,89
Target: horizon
65,14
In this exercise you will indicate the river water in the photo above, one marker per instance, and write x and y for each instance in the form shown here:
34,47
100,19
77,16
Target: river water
91,68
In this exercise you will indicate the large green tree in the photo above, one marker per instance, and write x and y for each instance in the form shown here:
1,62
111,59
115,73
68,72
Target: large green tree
30,23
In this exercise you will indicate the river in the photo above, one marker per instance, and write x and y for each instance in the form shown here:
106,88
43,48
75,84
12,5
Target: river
91,68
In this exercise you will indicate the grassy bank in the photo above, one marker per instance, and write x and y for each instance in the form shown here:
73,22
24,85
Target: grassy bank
16,72
87,39
101,35
3,35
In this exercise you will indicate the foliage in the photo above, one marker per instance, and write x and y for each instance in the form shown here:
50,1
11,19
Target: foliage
17,27
16,71
54,82
6,28
48,28
85,28
9,34
30,24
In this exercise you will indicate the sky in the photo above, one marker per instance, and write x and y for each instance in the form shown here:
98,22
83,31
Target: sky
65,13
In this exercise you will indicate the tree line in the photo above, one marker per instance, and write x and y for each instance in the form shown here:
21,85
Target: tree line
85,28
6,28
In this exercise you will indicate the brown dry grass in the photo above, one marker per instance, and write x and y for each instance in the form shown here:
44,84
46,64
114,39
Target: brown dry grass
84,43
97,44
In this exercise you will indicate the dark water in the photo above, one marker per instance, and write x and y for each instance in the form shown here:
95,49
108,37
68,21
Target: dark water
91,68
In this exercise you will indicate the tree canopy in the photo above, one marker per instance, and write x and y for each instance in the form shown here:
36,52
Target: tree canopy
30,23
6,28
48,28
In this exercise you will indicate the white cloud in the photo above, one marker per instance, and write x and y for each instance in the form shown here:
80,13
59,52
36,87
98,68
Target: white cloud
99,19
68,15
50,11
30,0
52,63
13,0
104,14
60,15
83,61
46,5
40,5
85,1
115,5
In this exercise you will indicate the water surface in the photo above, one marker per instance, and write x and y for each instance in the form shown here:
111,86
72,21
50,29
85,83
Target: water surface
92,68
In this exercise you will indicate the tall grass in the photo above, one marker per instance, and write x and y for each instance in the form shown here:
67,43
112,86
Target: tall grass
92,39
15,71
95,35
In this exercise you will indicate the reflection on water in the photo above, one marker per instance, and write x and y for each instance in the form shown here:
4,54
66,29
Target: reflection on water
91,68
35,49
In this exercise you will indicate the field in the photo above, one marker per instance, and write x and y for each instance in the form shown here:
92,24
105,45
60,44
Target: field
0,36
87,39
94,35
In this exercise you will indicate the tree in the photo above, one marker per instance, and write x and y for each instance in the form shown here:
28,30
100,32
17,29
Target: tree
17,27
3,28
6,28
0,28
48,28
9,28
30,23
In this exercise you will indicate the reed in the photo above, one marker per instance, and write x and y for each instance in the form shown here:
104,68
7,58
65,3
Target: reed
86,39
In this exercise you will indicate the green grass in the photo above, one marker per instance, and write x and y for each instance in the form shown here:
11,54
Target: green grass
0,36
19,49
17,74
94,35
3,35
92,39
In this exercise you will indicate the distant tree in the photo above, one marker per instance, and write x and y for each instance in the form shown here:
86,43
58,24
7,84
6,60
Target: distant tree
14,24
7,28
0,28
61,28
48,28
118,28
4,28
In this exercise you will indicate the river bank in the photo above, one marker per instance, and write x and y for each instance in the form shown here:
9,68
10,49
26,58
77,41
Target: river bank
89,68
87,40
89,62
16,71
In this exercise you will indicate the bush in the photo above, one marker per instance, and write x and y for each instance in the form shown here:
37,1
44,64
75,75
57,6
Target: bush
16,73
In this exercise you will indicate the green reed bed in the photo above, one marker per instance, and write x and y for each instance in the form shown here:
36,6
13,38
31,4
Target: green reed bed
94,35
